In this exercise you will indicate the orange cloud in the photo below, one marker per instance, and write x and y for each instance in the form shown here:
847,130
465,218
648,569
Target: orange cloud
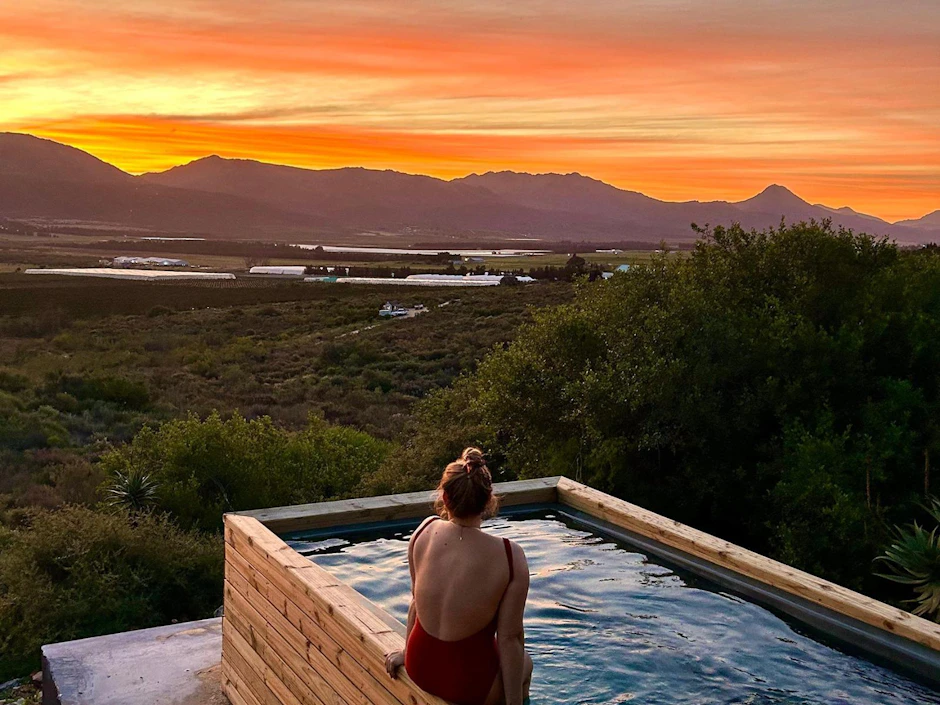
838,102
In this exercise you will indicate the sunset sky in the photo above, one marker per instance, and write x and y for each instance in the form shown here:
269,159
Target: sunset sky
837,100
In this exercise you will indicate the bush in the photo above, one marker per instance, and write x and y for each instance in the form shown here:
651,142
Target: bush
22,428
77,573
913,560
203,468
118,391
13,382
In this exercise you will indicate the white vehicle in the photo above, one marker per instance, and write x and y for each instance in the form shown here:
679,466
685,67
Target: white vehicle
391,310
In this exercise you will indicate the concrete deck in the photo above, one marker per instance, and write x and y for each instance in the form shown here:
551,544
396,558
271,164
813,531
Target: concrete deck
173,665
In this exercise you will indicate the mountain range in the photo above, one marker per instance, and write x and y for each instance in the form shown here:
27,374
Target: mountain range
45,181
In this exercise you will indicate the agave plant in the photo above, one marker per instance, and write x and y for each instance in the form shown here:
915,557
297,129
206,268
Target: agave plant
914,559
134,490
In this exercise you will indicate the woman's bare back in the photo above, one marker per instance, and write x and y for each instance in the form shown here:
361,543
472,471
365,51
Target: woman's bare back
460,575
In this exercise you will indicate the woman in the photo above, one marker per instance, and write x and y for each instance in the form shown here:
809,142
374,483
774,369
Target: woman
465,637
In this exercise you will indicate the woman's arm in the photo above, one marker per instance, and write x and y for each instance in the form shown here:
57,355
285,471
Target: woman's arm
394,660
510,632
411,619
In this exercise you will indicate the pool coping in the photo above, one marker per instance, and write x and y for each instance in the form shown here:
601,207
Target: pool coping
273,591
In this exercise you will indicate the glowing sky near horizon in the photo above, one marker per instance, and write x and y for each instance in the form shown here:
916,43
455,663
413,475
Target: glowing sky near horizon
839,100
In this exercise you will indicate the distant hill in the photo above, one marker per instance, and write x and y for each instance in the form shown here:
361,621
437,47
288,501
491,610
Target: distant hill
34,158
235,198
929,221
42,179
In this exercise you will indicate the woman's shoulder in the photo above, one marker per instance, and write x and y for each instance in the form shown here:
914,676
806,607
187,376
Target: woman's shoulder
520,563
516,548
422,526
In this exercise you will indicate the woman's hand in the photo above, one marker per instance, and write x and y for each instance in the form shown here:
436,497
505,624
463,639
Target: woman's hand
393,662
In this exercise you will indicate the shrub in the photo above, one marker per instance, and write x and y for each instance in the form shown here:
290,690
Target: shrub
22,428
914,560
118,391
203,468
77,573
13,382
133,491
159,311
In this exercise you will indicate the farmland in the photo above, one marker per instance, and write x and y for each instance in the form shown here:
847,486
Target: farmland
20,251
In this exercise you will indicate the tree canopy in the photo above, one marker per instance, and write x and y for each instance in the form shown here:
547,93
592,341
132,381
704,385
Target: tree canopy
778,388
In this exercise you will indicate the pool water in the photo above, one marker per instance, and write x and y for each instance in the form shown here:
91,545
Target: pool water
606,624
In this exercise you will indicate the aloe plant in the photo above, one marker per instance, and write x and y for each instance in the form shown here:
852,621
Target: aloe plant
134,490
914,559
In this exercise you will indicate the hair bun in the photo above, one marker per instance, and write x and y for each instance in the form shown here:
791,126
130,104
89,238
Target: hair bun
466,487
473,459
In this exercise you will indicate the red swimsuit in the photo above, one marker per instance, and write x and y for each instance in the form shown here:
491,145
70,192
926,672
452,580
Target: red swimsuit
459,671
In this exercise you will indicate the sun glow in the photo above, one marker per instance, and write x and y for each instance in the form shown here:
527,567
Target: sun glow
677,101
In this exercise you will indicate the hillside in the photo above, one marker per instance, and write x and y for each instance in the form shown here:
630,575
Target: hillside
44,180
931,221
41,179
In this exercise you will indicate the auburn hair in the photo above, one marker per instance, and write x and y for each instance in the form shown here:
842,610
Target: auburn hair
466,488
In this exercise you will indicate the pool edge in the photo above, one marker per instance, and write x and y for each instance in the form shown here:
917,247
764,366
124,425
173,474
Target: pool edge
301,589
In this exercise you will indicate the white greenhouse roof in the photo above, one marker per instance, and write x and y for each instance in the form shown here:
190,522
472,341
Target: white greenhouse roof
282,271
131,274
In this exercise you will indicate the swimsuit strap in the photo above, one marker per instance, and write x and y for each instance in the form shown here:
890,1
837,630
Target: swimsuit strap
508,547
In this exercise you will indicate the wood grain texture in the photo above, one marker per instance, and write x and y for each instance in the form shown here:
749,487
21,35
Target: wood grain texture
297,649
753,565
309,635
234,688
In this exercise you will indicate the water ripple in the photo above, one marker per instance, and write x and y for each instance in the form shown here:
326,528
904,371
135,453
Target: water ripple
607,625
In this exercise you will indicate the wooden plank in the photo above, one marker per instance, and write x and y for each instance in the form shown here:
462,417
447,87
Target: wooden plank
541,490
234,688
313,597
281,613
264,680
252,675
298,676
234,561
287,689
305,662
411,505
301,654
753,565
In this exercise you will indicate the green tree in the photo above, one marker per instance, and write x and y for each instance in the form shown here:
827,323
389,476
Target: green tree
776,388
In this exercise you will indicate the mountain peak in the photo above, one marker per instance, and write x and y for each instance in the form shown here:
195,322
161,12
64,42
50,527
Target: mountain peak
37,157
776,191
774,198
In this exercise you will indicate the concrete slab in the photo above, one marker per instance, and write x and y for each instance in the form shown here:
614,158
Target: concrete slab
173,665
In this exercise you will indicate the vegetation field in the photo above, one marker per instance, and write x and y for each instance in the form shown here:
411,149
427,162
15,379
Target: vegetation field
778,389
275,348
